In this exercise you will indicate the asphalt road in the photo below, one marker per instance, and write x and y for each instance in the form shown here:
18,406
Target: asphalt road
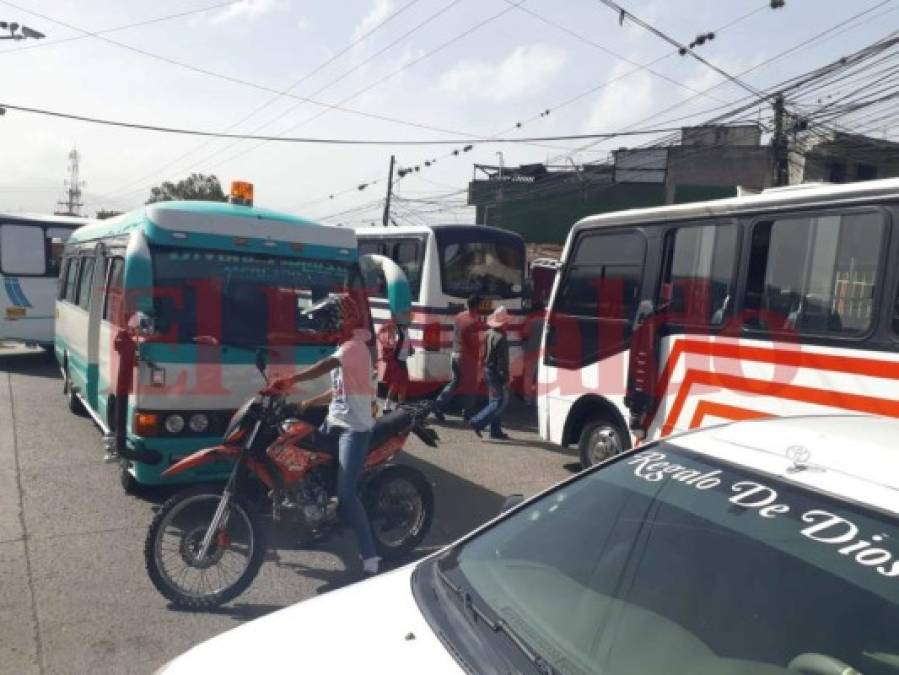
74,596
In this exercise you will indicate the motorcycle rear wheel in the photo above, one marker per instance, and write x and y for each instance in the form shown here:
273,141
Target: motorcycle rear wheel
400,505
171,550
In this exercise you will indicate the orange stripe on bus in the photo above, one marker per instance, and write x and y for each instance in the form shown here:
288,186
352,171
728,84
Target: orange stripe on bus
728,412
784,357
836,399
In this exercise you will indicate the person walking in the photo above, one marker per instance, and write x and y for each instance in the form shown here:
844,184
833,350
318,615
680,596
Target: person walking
496,373
397,351
464,361
349,417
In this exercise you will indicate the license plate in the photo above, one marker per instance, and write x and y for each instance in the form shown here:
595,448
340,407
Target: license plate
15,312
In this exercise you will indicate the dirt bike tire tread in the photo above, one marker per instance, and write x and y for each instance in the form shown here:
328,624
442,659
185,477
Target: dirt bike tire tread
200,604
427,494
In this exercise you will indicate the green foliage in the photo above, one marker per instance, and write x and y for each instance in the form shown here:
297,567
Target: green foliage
196,187
103,214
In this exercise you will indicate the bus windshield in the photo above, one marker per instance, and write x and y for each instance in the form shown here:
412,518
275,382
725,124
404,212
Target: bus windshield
476,260
243,298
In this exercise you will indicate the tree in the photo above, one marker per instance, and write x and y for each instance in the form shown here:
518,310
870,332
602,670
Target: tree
197,187
103,214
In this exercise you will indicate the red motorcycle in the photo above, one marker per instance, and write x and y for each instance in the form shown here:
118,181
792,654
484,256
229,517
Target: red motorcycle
205,547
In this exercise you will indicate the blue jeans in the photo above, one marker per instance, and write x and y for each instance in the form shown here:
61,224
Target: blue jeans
441,403
352,448
498,393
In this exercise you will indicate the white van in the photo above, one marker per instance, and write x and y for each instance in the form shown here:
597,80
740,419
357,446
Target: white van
30,254
761,547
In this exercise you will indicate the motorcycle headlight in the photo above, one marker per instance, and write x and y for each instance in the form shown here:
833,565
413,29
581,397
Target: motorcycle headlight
174,424
198,423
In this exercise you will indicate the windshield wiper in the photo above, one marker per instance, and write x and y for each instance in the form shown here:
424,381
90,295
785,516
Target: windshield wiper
497,625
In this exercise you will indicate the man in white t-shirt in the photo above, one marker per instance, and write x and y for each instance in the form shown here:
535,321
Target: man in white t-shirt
349,403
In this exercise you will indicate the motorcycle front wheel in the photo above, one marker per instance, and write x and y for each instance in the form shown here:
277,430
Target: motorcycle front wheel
174,542
400,506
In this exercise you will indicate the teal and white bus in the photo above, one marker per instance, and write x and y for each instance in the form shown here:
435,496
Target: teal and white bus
195,290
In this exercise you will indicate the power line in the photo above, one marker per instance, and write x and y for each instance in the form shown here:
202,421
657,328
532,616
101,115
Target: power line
274,98
556,107
230,78
146,22
331,83
605,50
322,141
682,48
468,31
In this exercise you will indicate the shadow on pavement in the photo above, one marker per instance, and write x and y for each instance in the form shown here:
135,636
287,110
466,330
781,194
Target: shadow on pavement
32,362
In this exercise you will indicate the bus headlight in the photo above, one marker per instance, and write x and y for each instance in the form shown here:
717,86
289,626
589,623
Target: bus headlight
198,423
174,424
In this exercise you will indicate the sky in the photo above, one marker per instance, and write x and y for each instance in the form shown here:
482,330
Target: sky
436,69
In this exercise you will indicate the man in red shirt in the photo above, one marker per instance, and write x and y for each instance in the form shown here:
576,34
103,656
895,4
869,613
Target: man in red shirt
466,354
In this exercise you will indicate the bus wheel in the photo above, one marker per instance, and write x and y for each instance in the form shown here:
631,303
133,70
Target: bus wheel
128,482
75,405
600,440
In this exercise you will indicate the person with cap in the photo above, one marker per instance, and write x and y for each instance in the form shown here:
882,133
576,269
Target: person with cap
496,374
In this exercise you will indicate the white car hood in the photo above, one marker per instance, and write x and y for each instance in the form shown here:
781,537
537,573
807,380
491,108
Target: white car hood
363,628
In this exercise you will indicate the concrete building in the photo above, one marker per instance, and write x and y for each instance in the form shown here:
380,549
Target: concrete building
709,162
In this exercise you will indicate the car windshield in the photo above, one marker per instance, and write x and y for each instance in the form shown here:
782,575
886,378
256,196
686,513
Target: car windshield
490,266
244,298
670,562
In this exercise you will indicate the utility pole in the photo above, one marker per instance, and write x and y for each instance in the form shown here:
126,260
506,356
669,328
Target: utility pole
780,145
71,204
386,219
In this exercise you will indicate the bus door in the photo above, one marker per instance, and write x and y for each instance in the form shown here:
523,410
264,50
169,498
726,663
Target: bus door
695,295
94,308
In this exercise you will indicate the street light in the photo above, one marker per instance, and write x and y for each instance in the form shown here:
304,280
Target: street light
17,32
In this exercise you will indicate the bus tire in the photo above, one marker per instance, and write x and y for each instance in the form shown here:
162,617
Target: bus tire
76,407
600,440
129,483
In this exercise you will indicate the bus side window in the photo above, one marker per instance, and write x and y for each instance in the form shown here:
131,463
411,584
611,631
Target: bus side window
815,275
66,263
112,298
85,282
600,292
698,274
375,284
407,256
54,241
22,250
69,290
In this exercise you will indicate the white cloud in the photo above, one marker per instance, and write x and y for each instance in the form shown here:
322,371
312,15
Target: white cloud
379,11
623,102
303,23
247,9
526,70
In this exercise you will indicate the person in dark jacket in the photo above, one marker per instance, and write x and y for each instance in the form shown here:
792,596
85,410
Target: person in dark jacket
496,373
464,361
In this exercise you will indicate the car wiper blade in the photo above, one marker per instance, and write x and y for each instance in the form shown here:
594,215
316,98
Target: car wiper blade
497,625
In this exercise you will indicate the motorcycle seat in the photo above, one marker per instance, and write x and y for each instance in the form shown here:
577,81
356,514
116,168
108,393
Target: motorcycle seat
391,424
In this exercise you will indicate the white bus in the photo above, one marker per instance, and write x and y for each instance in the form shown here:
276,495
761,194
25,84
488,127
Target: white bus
672,318
30,253
445,264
